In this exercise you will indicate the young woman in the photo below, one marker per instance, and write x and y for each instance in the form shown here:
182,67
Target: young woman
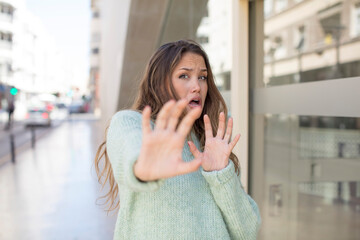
170,158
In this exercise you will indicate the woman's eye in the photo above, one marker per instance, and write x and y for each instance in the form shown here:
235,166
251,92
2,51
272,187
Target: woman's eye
183,76
203,77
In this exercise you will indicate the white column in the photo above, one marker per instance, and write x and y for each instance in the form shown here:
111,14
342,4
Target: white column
240,83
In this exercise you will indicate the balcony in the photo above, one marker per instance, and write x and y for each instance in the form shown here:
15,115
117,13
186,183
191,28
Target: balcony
5,49
5,17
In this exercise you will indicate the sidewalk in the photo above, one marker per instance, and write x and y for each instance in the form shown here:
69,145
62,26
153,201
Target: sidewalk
16,126
51,191
21,138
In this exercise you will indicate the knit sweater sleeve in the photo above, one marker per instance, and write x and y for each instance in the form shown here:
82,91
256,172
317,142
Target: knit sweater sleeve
239,210
123,145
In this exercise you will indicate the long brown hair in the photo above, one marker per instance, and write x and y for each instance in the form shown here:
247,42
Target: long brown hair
155,90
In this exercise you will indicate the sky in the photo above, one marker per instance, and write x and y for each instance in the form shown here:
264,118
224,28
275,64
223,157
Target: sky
68,22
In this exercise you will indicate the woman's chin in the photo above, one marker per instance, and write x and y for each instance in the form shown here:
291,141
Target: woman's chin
189,108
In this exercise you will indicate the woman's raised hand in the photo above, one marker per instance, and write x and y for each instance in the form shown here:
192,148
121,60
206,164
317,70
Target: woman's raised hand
217,149
161,150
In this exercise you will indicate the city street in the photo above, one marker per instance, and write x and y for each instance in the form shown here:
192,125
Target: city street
51,191
22,137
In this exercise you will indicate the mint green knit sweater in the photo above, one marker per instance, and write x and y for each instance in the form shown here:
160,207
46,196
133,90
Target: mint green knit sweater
199,205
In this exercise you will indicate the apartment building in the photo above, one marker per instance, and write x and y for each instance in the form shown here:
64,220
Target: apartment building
30,60
95,40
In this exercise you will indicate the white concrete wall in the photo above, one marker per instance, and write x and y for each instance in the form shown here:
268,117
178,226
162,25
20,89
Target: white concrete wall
114,24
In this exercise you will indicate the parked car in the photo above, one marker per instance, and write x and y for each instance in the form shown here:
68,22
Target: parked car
76,107
59,113
38,117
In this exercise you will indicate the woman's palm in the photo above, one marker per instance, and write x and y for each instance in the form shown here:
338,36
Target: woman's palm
217,149
161,150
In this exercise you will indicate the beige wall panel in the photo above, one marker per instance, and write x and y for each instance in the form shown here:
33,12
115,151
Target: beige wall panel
294,15
286,67
115,15
267,70
240,84
350,52
314,60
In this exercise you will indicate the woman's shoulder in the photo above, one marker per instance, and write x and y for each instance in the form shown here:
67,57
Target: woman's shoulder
124,116
127,113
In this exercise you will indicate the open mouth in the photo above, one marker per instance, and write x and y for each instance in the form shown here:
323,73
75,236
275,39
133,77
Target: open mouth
195,103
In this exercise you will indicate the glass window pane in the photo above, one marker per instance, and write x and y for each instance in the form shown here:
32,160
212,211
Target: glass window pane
310,41
209,23
322,205
312,180
304,170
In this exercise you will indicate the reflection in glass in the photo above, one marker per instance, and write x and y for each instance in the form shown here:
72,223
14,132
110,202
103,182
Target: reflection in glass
311,164
328,209
312,180
322,44
214,34
329,137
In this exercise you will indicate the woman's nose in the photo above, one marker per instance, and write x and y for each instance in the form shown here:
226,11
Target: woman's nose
195,86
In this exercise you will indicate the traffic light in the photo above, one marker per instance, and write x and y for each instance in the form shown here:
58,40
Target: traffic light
14,91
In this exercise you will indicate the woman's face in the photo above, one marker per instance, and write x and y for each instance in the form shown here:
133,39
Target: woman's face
189,79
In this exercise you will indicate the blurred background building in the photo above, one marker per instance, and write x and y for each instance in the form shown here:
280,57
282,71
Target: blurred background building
311,42
95,39
32,63
30,60
290,73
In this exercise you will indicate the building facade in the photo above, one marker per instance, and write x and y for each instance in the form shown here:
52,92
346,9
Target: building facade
30,60
7,28
95,40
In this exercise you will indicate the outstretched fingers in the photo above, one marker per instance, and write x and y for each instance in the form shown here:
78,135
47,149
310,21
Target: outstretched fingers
194,150
176,113
229,130
188,121
208,129
163,116
221,128
188,167
146,120
234,141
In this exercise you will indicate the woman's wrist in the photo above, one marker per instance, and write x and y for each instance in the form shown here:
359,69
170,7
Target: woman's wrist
216,167
213,169
137,172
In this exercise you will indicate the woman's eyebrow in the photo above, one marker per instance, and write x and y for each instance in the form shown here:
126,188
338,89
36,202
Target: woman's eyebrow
190,69
186,68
